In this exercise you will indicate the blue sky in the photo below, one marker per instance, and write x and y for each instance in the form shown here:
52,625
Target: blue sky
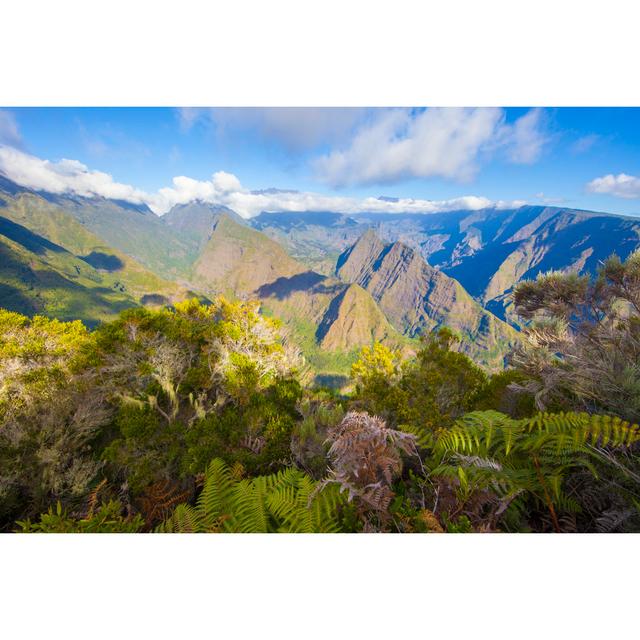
576,157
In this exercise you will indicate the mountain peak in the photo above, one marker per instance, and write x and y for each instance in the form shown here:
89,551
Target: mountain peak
417,298
239,259
361,254
353,319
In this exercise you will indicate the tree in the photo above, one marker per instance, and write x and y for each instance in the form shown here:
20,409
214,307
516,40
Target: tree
51,413
376,375
194,382
583,347
420,395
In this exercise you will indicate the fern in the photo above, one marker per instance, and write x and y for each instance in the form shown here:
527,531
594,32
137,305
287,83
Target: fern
288,501
515,459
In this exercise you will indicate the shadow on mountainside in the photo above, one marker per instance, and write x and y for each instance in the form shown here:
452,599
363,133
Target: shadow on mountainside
103,261
12,299
283,287
29,240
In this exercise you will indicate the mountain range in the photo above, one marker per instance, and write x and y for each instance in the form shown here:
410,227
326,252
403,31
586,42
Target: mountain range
337,282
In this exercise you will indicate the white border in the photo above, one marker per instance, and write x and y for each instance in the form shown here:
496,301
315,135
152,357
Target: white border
342,586
329,53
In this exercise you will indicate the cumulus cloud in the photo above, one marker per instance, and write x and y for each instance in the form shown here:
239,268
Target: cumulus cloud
73,177
296,128
436,142
64,176
9,132
225,189
621,186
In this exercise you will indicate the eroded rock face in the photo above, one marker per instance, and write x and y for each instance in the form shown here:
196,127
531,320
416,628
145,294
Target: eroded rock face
487,251
416,298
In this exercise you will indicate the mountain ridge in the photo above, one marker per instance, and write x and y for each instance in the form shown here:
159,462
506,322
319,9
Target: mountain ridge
417,299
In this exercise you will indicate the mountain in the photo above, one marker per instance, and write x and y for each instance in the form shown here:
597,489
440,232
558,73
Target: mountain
337,281
416,298
194,221
487,251
314,237
238,260
353,318
52,264
133,230
329,319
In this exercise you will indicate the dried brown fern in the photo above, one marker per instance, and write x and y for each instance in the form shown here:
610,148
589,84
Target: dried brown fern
366,457
159,500
92,502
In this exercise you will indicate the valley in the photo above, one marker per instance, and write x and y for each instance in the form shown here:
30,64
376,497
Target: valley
336,282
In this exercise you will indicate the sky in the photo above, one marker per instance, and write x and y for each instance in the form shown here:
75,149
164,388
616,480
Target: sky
338,159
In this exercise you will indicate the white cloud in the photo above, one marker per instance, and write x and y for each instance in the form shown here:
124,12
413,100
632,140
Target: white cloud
621,186
65,176
9,132
73,177
225,189
436,142
296,128
525,138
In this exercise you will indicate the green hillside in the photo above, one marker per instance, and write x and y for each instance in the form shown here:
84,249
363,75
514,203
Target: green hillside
53,265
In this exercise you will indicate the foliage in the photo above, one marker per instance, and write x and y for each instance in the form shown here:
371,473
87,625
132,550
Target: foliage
51,412
496,463
107,518
376,374
195,382
37,357
420,395
288,501
196,418
320,413
499,393
582,351
366,457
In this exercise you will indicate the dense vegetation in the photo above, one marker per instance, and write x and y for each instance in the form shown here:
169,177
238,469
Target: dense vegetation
194,418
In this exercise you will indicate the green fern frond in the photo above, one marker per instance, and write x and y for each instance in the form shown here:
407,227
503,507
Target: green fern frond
287,501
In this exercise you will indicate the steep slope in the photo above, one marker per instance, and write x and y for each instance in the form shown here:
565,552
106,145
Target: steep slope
353,319
417,298
135,231
238,260
487,251
328,319
194,221
51,264
39,277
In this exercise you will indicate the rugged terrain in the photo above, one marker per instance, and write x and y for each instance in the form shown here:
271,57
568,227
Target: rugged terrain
337,282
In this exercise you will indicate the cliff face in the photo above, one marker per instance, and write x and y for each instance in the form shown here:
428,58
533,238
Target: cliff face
486,251
416,298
